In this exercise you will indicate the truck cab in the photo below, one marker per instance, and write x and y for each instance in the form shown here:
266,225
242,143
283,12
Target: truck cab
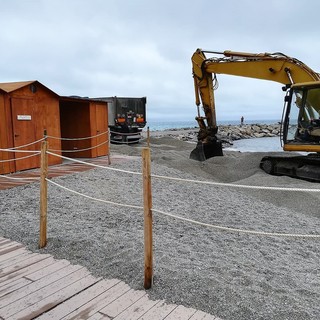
127,118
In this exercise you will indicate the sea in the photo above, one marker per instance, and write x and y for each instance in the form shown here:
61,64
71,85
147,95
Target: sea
164,125
268,144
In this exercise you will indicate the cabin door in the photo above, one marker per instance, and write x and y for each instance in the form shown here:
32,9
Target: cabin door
24,133
102,127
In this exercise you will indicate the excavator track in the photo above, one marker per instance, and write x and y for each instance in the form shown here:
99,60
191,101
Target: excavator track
300,167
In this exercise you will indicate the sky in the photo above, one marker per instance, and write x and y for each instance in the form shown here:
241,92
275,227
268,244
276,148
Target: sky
137,48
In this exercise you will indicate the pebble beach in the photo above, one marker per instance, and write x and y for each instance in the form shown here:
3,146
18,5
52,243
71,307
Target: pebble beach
269,273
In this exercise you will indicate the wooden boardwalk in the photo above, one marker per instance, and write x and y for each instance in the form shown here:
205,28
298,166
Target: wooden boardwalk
37,286
56,171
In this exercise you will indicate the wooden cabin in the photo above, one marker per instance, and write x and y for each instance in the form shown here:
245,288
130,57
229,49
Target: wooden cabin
86,120
27,109
76,127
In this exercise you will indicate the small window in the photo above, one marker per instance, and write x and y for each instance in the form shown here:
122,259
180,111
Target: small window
33,88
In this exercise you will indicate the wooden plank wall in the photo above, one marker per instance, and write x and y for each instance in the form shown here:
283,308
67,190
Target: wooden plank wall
44,108
75,123
81,119
99,125
5,128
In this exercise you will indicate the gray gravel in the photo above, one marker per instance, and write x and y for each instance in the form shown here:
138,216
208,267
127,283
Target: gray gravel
230,275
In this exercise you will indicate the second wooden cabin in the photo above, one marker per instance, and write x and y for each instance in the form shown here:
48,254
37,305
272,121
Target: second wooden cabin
84,127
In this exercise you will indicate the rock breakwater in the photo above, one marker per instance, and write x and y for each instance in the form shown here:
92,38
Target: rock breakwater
226,133
230,133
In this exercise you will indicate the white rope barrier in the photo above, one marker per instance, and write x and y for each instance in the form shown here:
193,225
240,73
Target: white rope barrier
92,198
220,184
25,145
19,178
259,233
21,158
79,150
223,228
75,139
21,151
223,184
229,229
92,164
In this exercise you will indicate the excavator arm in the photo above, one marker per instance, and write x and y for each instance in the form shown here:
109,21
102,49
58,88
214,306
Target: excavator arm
265,66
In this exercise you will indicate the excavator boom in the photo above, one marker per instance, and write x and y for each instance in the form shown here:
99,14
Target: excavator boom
265,66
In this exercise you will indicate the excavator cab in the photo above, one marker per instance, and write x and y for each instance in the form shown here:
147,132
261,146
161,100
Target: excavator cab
301,122
300,132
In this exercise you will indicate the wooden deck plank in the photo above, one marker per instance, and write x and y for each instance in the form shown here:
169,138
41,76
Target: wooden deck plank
54,267
94,305
160,311
136,310
4,241
12,254
20,282
200,315
9,244
9,183
38,285
181,313
23,264
80,300
11,247
53,171
99,316
117,306
53,300
18,259
210,317
13,286
23,302
25,271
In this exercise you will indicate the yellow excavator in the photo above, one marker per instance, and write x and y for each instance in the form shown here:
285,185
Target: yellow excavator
300,125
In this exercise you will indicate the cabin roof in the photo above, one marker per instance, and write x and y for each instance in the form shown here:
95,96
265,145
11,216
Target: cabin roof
13,86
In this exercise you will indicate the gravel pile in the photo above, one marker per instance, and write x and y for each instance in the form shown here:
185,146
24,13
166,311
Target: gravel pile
229,274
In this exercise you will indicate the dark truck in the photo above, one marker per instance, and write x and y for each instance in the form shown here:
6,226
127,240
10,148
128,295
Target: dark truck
127,118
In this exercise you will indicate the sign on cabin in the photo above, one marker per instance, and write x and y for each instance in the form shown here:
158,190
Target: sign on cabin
23,117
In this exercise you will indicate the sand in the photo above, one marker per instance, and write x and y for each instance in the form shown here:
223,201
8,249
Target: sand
232,275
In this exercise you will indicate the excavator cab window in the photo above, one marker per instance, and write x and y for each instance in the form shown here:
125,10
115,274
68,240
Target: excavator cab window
293,114
305,110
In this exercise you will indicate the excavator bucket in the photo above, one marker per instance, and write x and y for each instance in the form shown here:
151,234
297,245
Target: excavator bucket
204,151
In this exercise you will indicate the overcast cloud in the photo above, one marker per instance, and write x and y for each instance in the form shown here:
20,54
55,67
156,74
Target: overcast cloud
143,48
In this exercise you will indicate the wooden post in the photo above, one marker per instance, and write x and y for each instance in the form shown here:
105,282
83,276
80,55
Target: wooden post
148,137
147,205
43,194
